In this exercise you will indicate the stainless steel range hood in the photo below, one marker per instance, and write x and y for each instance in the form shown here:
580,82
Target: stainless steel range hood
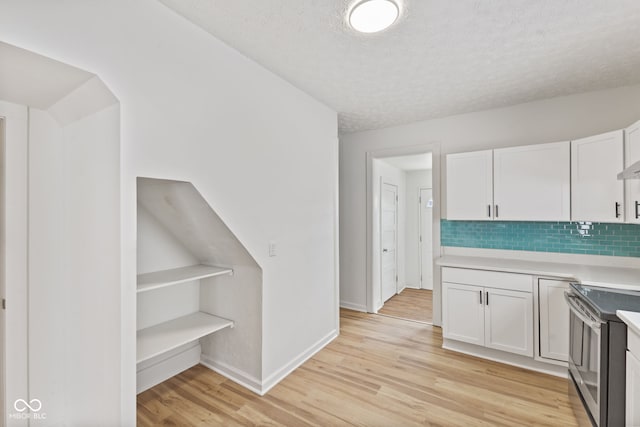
632,172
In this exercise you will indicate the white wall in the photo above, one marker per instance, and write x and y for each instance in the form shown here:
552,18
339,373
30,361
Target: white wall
74,267
159,250
49,291
415,181
557,119
258,149
388,174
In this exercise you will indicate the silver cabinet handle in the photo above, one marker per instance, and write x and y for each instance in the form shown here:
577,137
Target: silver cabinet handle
617,210
637,214
385,250
496,211
489,211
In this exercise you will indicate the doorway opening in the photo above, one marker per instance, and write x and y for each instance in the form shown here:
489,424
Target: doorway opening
402,236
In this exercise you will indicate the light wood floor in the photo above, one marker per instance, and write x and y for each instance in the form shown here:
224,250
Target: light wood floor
412,304
380,371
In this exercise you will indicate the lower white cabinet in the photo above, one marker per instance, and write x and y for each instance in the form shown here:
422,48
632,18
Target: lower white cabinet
633,390
553,314
508,321
632,415
463,313
493,317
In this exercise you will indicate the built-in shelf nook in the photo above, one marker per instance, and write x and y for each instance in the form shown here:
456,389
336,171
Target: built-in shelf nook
198,289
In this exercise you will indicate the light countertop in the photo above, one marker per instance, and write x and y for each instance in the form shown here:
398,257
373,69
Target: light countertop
631,318
593,275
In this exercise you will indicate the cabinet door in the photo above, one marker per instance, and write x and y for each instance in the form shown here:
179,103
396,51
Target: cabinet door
632,186
509,321
532,183
596,193
554,319
632,417
470,185
463,313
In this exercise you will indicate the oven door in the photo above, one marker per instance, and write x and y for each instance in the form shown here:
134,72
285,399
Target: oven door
584,353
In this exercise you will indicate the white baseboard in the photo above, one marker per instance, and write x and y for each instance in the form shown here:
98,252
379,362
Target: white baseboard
163,367
506,358
352,306
281,373
236,375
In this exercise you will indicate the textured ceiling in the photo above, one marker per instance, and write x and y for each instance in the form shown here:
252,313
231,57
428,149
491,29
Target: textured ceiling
440,58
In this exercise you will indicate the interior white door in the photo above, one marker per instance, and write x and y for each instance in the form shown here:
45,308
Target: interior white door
596,192
632,186
426,238
532,183
509,321
554,319
389,241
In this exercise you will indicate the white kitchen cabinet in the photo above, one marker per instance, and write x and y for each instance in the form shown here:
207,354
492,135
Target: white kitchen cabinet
508,320
596,193
528,183
495,312
553,311
470,185
463,312
632,186
532,183
632,416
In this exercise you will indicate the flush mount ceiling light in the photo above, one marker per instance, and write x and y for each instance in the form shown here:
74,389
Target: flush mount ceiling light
371,16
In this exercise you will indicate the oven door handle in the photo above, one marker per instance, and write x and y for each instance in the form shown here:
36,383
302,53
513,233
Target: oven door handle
593,324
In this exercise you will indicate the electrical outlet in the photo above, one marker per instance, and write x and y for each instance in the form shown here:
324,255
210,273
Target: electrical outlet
272,248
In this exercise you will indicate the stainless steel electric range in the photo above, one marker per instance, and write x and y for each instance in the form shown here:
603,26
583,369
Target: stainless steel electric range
598,340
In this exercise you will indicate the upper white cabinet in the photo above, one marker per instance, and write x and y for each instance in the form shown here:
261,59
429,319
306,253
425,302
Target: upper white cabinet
529,183
632,186
532,183
596,193
470,185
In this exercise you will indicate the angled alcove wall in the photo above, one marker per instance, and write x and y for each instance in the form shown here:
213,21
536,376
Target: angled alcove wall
176,228
63,248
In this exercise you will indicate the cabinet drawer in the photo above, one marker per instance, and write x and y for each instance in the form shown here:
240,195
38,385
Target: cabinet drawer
490,279
633,343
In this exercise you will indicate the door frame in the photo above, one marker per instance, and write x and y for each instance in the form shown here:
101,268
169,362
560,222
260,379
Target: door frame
382,184
15,248
420,233
372,229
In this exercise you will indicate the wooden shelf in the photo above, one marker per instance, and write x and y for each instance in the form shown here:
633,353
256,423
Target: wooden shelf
160,279
166,336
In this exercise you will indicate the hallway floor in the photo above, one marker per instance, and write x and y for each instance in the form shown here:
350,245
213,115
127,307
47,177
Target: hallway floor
410,304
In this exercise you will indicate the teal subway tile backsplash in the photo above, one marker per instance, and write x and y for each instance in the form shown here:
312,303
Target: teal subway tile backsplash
566,237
